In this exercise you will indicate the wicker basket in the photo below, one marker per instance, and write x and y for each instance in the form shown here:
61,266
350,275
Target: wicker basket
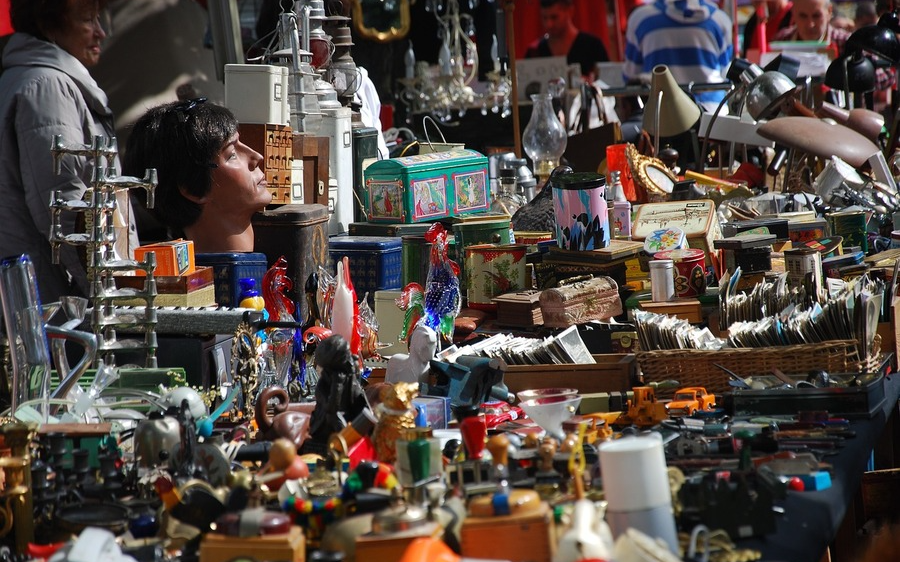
698,368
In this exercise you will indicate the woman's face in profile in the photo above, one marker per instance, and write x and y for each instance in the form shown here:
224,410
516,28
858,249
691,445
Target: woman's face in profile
82,36
238,183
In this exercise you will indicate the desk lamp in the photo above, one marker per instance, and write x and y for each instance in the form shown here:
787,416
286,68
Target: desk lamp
670,111
761,93
853,74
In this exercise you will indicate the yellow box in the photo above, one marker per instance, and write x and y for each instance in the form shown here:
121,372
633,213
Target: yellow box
290,547
519,538
173,258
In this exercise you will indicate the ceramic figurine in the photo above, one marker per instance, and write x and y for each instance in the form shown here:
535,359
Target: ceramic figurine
289,421
414,368
338,392
588,536
396,414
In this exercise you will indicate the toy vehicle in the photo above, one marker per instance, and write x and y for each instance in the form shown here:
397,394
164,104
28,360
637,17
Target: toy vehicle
499,412
690,399
643,410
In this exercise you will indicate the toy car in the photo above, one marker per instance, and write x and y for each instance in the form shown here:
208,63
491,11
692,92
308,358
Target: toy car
690,399
499,412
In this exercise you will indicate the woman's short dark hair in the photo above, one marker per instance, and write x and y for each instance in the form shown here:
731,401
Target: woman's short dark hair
35,17
181,140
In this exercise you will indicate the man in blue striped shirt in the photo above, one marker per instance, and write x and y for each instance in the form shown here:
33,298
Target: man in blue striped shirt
692,37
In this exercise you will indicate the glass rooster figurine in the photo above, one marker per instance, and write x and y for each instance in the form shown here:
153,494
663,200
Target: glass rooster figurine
438,304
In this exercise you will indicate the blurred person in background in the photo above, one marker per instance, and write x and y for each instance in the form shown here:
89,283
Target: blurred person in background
46,89
563,38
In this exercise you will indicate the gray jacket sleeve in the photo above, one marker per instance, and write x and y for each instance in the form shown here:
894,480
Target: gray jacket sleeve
53,105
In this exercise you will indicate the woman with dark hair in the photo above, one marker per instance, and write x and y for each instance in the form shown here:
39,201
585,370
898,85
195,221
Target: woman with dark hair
46,90
210,183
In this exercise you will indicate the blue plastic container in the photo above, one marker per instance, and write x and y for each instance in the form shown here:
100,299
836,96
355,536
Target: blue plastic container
229,268
375,261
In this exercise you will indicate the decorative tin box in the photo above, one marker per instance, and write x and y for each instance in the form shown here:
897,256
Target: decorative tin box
229,268
426,187
696,218
375,261
579,300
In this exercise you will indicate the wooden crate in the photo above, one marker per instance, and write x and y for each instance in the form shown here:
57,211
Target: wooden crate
686,309
613,372
290,547
528,537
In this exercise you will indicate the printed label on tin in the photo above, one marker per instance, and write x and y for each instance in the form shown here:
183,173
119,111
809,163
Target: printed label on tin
429,198
386,199
471,191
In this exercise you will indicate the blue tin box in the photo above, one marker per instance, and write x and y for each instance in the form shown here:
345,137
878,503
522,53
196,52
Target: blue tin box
229,268
427,187
375,261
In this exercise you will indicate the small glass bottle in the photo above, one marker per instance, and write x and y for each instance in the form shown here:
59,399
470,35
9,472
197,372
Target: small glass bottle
662,280
621,208
508,199
250,297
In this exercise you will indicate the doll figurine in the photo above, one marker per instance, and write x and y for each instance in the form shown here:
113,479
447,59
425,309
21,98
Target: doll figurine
414,367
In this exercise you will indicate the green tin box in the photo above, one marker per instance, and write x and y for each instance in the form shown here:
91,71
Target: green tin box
427,187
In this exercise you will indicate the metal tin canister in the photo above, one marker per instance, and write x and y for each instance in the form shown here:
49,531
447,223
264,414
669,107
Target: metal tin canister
690,275
582,215
800,262
415,252
494,269
852,226
490,231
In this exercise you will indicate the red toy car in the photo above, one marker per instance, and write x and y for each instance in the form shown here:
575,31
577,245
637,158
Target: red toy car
499,412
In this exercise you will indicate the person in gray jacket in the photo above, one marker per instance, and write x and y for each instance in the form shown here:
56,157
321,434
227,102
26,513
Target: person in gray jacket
46,90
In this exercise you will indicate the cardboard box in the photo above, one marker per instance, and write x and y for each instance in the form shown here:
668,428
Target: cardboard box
285,548
173,258
180,284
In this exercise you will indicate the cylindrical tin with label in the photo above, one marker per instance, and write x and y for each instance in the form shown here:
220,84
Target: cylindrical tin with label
494,269
802,262
582,217
690,275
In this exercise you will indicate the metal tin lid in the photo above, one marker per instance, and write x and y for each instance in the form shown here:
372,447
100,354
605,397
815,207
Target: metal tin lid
400,517
661,264
578,180
299,215
363,242
687,254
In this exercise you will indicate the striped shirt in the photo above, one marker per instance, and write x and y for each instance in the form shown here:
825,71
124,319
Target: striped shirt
691,37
